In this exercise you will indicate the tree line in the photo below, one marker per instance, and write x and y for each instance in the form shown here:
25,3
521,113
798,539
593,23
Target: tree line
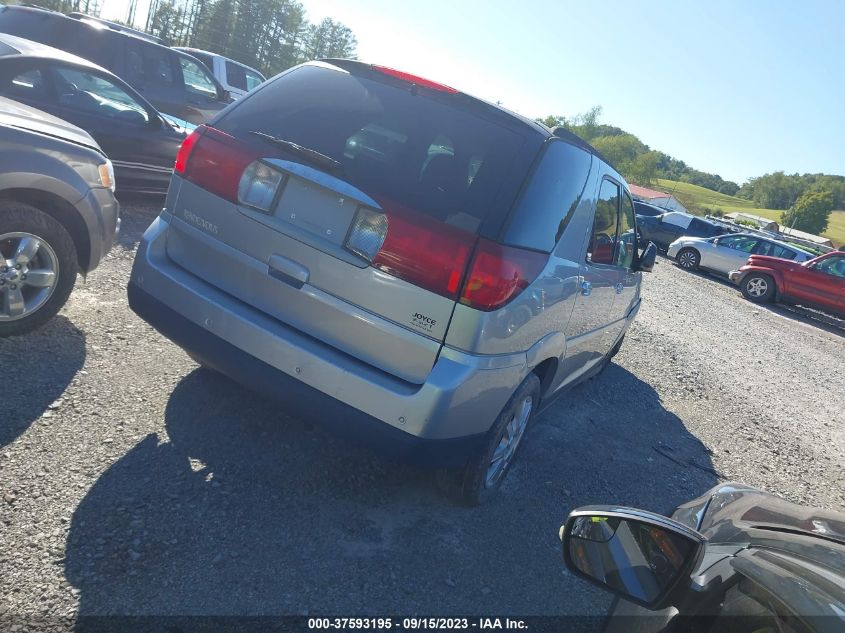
634,159
269,35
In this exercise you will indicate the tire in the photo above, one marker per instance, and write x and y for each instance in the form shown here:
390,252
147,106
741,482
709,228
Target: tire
53,257
477,482
688,259
758,287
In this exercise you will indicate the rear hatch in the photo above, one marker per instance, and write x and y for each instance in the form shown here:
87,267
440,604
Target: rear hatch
347,203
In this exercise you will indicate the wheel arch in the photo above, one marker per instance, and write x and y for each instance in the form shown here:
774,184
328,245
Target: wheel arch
60,210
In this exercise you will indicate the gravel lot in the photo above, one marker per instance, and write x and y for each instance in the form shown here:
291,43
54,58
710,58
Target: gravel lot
133,482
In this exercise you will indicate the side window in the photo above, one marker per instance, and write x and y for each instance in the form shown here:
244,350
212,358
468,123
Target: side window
740,243
29,84
603,237
832,266
236,76
197,80
155,65
677,219
626,242
253,79
547,205
764,247
95,94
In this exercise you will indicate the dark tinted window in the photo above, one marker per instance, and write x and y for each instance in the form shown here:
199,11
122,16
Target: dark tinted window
98,95
382,135
774,250
603,237
236,76
148,63
27,84
705,229
551,197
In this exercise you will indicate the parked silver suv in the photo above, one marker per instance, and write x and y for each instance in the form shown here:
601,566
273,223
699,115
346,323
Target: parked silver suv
58,214
398,258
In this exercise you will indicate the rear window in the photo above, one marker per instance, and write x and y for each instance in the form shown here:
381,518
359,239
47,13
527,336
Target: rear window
407,150
550,199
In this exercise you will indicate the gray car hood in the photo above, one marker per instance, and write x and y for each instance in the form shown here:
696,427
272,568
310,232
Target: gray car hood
733,512
15,114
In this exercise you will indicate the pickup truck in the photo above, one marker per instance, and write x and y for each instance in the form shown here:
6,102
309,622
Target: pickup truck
817,283
665,229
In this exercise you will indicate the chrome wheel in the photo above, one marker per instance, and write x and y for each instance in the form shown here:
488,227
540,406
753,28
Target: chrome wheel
29,270
508,442
757,287
687,260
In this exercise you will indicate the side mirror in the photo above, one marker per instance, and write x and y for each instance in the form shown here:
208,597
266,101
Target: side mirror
639,556
646,260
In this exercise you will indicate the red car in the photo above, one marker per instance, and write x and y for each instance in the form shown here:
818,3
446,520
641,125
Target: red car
819,283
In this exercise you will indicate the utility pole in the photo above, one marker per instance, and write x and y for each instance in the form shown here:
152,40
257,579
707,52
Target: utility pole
130,15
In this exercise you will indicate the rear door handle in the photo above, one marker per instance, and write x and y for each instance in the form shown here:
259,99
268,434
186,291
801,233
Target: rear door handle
586,288
286,270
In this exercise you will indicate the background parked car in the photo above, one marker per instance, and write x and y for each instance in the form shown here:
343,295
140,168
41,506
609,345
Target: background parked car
336,190
736,559
728,252
58,214
235,77
665,229
648,210
172,81
140,142
818,283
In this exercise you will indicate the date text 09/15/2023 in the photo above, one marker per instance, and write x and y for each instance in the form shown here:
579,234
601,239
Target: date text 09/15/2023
415,623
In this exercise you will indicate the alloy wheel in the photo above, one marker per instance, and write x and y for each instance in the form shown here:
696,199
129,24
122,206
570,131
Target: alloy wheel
29,271
757,287
687,260
508,442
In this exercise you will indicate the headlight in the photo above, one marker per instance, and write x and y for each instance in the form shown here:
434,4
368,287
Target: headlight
106,171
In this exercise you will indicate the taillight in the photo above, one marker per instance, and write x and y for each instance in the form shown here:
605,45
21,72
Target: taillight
413,247
214,161
185,149
498,274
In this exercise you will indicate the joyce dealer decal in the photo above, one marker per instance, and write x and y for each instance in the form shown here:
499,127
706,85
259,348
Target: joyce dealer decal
423,322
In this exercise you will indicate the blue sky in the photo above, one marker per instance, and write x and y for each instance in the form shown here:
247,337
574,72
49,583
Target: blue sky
736,88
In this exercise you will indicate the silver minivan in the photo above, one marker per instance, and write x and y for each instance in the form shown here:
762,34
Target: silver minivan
406,263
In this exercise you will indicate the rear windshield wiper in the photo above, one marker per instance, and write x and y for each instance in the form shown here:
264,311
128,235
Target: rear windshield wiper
318,158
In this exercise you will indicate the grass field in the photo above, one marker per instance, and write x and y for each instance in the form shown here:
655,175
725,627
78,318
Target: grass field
701,200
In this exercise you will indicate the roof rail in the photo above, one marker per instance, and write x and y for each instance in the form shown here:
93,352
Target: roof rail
773,235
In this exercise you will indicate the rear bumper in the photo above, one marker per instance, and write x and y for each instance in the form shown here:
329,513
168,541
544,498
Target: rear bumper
444,419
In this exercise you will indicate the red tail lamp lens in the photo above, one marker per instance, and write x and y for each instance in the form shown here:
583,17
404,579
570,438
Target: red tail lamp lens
498,274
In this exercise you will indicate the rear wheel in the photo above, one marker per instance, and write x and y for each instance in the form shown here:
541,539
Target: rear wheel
483,474
758,288
37,268
689,259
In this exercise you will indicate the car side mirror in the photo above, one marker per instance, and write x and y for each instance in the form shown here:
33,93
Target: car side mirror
639,556
645,262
